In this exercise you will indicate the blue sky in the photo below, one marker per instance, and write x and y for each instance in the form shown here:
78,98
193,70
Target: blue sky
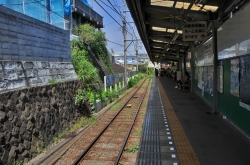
113,30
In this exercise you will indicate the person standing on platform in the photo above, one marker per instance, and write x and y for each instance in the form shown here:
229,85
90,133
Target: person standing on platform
156,72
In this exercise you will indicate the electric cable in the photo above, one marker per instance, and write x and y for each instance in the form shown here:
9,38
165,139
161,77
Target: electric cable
114,43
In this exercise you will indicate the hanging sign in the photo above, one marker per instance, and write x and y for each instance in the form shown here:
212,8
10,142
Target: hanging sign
194,31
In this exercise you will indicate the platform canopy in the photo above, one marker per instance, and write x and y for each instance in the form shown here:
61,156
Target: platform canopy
168,28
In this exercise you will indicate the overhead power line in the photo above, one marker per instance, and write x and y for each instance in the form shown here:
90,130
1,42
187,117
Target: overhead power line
112,17
119,13
115,43
108,13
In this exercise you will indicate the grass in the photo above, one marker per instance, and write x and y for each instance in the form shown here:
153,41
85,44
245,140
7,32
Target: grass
121,163
133,148
138,132
39,150
83,121
126,93
128,113
142,113
59,136
78,124
18,162
52,81
116,106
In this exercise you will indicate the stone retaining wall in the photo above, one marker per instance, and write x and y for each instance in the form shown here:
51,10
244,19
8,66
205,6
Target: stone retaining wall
30,118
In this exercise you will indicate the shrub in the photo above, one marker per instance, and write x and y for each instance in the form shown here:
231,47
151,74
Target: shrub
81,97
135,80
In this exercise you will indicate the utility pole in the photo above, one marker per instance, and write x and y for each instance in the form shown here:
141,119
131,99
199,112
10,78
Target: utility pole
125,45
136,47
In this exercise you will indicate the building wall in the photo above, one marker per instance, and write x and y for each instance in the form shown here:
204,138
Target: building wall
130,59
27,39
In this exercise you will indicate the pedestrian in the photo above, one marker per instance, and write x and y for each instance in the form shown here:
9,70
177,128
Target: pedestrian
156,72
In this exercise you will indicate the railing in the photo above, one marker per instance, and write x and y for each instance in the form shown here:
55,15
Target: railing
39,11
87,10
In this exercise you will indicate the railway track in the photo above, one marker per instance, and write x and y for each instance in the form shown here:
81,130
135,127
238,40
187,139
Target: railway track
105,142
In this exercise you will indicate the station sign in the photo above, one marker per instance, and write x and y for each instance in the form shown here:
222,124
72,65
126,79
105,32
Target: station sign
194,31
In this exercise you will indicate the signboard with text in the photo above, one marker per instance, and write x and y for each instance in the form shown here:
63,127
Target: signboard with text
195,31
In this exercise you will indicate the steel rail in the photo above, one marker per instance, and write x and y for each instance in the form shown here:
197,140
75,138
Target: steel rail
130,129
99,135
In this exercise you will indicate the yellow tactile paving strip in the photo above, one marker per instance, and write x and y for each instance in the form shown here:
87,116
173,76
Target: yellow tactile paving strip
185,151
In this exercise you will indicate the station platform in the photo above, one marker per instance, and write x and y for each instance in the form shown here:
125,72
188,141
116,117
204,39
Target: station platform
179,128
